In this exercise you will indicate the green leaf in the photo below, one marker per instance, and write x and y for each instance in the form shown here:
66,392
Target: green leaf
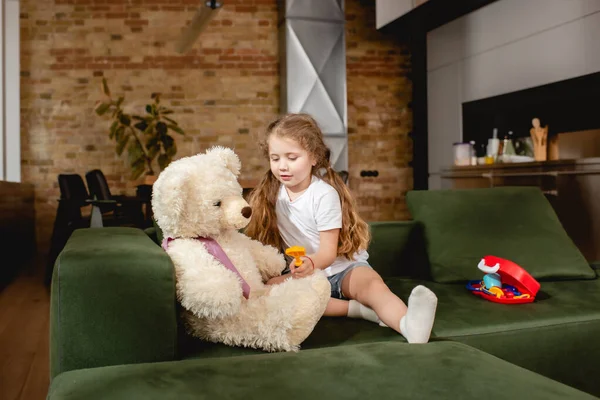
121,144
163,161
172,150
149,129
135,152
105,89
169,145
171,121
176,129
113,129
141,126
152,141
161,128
138,167
120,101
119,133
149,109
125,119
101,108
153,146
153,150
167,142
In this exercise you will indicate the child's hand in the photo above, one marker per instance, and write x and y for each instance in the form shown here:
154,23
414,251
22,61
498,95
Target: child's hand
305,269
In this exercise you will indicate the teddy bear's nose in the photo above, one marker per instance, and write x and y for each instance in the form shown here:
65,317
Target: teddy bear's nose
246,212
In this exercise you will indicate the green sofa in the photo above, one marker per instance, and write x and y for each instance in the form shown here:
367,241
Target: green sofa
115,330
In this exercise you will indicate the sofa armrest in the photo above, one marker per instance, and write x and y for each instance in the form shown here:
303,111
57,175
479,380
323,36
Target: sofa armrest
112,302
398,249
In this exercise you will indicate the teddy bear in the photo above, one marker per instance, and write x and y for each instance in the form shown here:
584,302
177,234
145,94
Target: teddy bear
220,272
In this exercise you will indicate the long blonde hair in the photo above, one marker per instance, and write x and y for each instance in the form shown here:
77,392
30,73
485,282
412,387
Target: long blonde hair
304,130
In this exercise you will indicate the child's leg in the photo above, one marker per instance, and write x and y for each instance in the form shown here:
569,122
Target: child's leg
413,322
352,309
336,308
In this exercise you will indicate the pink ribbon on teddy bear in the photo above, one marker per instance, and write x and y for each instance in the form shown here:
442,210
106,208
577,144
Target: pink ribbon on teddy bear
217,252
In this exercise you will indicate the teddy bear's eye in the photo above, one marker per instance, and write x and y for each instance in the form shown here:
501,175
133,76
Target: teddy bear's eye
217,204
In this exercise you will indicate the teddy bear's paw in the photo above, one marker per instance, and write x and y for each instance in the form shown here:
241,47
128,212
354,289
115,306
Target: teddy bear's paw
308,308
321,285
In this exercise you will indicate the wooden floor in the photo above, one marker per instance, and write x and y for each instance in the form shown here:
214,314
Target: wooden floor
24,317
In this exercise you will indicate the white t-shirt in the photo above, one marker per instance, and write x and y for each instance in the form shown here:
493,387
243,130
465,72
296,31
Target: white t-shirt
300,221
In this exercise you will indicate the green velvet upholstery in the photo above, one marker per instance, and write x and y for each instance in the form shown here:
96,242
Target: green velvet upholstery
516,223
114,318
556,336
159,233
564,315
390,370
329,332
112,302
397,248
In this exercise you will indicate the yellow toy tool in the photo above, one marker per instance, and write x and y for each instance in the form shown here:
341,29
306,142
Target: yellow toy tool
296,252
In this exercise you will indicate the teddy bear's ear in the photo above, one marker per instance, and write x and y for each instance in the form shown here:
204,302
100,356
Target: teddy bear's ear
228,157
168,196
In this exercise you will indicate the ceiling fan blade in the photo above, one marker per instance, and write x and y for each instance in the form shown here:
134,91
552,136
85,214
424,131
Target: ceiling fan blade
199,22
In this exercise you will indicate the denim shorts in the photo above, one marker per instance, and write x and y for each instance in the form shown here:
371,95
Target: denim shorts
337,279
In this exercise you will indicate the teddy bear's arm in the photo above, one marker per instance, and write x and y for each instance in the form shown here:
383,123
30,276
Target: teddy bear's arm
269,261
204,286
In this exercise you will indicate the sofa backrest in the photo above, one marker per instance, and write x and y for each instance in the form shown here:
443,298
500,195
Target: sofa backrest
397,248
516,223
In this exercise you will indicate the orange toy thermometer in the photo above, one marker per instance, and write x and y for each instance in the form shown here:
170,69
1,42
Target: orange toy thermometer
296,252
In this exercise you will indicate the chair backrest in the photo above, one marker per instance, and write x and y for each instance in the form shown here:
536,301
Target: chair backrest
98,185
73,189
344,175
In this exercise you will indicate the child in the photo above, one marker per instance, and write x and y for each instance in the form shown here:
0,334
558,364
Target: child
301,201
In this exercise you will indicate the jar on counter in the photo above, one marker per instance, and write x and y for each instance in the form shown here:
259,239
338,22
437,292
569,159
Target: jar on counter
462,154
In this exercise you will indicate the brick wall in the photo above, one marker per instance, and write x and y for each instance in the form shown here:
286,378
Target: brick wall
222,91
379,117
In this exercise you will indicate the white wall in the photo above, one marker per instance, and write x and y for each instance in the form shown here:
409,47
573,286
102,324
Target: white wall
506,46
10,109
388,10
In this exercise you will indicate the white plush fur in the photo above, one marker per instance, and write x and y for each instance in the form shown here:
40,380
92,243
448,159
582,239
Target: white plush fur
200,196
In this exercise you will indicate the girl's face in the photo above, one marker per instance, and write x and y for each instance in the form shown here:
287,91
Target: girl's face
290,163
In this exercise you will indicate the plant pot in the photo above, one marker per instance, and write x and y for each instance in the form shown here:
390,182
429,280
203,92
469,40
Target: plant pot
150,179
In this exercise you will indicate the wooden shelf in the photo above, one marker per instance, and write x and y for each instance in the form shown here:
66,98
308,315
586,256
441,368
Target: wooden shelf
538,168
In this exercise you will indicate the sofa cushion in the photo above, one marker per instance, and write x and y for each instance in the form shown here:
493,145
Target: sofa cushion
516,223
556,335
329,332
390,370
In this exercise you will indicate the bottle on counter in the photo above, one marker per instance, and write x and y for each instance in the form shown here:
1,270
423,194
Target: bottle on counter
493,147
473,153
508,148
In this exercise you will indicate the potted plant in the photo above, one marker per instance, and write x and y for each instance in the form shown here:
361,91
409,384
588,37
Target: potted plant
146,137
